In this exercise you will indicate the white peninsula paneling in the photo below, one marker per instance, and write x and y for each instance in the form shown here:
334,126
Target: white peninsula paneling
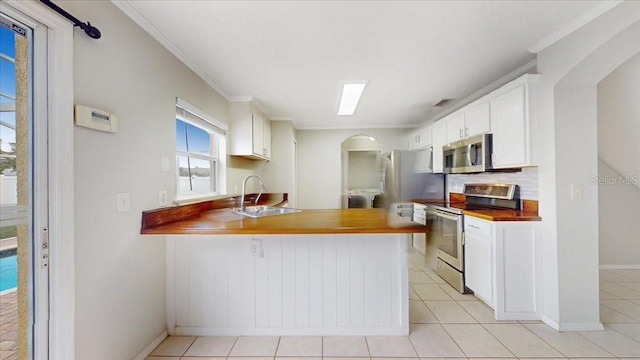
352,284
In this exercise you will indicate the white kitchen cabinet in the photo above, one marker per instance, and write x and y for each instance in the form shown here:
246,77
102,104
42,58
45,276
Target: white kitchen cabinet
419,139
419,242
512,113
473,119
298,284
439,134
249,131
423,160
502,265
517,271
455,126
266,136
478,258
477,117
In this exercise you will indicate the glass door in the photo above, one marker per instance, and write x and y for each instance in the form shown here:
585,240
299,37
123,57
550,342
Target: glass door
24,273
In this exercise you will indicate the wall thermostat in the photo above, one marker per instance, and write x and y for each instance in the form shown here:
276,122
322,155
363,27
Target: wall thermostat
95,119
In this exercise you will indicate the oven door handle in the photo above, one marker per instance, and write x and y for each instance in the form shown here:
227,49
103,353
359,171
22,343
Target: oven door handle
443,214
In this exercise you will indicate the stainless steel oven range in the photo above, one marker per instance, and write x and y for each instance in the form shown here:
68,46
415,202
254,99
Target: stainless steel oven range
445,225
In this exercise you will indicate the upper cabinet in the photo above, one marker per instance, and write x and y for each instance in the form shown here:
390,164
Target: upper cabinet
512,113
469,121
419,139
249,131
439,134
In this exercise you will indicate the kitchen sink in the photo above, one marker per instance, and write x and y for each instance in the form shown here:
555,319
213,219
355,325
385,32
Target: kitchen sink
263,210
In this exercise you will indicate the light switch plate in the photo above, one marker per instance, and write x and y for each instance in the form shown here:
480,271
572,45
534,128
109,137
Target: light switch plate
122,202
164,160
576,191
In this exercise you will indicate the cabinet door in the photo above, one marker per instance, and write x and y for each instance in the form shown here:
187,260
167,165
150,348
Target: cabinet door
439,133
419,242
266,142
413,141
478,267
477,119
509,128
258,134
455,127
517,255
422,161
425,138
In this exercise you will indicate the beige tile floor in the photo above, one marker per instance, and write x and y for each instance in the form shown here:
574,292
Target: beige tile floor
446,325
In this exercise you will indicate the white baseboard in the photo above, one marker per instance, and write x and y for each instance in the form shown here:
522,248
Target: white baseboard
149,349
552,323
619,267
595,326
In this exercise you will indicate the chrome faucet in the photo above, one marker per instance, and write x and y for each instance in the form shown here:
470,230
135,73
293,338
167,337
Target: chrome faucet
244,184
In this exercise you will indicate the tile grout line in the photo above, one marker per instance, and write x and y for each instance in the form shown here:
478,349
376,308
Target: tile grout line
275,353
190,345
498,340
614,329
232,346
366,341
454,341
597,345
553,347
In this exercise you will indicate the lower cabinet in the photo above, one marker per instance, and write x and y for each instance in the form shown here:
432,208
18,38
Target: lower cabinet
478,264
501,267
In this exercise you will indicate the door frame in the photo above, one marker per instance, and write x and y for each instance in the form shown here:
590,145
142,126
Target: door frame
60,159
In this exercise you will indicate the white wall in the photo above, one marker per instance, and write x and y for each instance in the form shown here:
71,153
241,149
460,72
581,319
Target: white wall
571,69
619,166
120,275
319,167
364,170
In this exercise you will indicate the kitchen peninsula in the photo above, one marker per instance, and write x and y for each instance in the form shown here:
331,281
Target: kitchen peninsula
315,272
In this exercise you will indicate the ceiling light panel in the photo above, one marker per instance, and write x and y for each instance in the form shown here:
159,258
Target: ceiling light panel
350,97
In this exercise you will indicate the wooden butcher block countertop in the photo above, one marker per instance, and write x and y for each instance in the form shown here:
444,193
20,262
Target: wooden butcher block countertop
338,221
216,217
529,211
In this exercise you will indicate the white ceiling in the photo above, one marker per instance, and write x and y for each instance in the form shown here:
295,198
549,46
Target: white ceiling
292,56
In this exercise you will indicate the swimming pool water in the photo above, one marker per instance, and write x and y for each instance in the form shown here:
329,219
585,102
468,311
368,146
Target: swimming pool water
8,272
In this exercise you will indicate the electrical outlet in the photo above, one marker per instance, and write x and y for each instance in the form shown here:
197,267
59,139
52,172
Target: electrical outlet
256,248
122,202
162,198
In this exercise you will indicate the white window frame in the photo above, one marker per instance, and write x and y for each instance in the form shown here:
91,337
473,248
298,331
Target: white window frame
217,132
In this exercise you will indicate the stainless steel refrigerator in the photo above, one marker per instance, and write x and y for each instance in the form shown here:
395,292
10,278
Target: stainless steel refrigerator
401,183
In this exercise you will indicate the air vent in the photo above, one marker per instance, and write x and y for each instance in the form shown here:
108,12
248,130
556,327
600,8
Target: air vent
442,102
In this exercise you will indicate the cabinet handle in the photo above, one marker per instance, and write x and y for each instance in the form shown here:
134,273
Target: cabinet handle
460,132
474,227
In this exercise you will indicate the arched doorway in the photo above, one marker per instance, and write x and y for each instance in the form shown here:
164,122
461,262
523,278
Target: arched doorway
361,177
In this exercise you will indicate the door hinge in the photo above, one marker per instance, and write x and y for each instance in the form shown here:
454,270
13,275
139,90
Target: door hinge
44,248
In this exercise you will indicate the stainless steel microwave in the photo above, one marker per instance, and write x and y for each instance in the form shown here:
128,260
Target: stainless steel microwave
470,155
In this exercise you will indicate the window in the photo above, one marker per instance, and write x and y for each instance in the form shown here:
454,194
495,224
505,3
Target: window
200,153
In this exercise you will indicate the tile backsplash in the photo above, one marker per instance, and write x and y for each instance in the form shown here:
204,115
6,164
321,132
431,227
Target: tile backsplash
527,180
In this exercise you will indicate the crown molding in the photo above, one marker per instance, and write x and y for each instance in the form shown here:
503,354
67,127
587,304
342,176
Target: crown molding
132,13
